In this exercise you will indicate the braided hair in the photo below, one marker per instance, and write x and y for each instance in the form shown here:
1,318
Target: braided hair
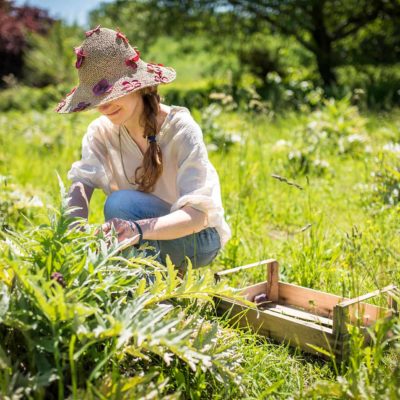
147,174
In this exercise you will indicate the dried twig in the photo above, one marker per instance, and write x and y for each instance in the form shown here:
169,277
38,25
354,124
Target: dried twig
283,179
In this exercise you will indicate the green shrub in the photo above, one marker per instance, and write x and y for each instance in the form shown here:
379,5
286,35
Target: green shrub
50,59
386,186
362,376
217,138
25,98
17,205
79,317
337,129
376,87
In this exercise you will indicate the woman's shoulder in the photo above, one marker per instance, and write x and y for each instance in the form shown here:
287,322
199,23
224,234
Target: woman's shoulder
182,125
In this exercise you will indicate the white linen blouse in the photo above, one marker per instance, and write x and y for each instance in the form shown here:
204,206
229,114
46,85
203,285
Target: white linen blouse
188,177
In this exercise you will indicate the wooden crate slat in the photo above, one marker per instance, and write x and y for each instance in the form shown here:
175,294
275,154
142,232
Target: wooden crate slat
296,313
321,303
282,327
273,281
316,302
367,296
302,316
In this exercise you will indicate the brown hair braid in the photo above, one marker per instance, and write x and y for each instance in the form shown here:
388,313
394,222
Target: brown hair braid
147,174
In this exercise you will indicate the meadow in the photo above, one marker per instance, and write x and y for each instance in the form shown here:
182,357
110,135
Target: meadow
317,190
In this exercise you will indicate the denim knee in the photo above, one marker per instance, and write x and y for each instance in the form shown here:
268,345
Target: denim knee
112,207
134,205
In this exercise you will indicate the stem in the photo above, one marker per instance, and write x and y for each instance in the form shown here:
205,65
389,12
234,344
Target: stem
73,368
57,361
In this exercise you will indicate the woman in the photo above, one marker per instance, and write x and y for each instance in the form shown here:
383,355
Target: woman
149,158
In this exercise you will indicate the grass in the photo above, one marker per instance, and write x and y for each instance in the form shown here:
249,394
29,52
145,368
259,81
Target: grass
349,245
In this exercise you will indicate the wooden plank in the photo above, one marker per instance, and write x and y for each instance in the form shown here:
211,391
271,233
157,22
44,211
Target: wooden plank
340,319
219,274
282,327
273,281
250,291
300,314
319,303
359,299
315,301
322,304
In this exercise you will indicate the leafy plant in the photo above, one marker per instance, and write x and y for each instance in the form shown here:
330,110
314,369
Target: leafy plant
335,130
362,376
80,317
216,136
386,184
50,60
17,205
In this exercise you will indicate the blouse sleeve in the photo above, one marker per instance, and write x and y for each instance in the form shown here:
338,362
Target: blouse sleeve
91,169
197,180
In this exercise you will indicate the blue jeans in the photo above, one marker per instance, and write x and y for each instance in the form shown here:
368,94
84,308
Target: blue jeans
201,247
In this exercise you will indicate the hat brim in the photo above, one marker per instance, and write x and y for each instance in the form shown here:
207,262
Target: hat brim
83,98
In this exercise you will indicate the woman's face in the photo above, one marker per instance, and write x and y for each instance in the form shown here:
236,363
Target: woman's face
120,110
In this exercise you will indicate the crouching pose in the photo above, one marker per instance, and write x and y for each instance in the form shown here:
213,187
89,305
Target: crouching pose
148,157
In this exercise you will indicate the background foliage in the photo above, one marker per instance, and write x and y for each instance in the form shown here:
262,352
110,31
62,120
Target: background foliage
298,103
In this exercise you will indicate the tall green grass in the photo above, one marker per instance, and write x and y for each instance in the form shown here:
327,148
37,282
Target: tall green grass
334,229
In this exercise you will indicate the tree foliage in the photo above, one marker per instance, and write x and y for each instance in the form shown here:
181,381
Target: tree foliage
16,24
50,59
335,32
322,26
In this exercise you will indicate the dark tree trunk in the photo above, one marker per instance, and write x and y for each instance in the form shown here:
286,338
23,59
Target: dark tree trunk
326,66
323,45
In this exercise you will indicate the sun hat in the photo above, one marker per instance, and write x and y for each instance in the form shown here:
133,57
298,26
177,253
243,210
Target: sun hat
109,68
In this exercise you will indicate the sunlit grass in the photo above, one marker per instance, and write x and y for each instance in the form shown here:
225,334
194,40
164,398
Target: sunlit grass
334,235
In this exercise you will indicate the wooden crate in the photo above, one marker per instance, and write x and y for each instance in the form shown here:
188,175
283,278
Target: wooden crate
304,317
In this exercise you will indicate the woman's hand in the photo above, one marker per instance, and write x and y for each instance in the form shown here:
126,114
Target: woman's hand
124,229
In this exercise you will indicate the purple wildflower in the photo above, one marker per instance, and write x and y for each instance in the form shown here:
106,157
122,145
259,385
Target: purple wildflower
102,87
58,277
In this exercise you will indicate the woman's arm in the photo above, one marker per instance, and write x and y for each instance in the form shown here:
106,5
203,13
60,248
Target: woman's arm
80,195
179,223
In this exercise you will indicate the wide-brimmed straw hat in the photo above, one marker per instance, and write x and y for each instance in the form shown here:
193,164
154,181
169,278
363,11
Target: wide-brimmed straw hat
109,68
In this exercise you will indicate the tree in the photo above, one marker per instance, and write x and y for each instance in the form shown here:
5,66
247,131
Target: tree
321,25
326,28
15,24
50,59
335,32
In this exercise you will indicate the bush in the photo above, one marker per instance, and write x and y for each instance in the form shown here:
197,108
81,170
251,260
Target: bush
216,136
386,186
50,59
25,98
378,86
79,318
336,129
17,205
